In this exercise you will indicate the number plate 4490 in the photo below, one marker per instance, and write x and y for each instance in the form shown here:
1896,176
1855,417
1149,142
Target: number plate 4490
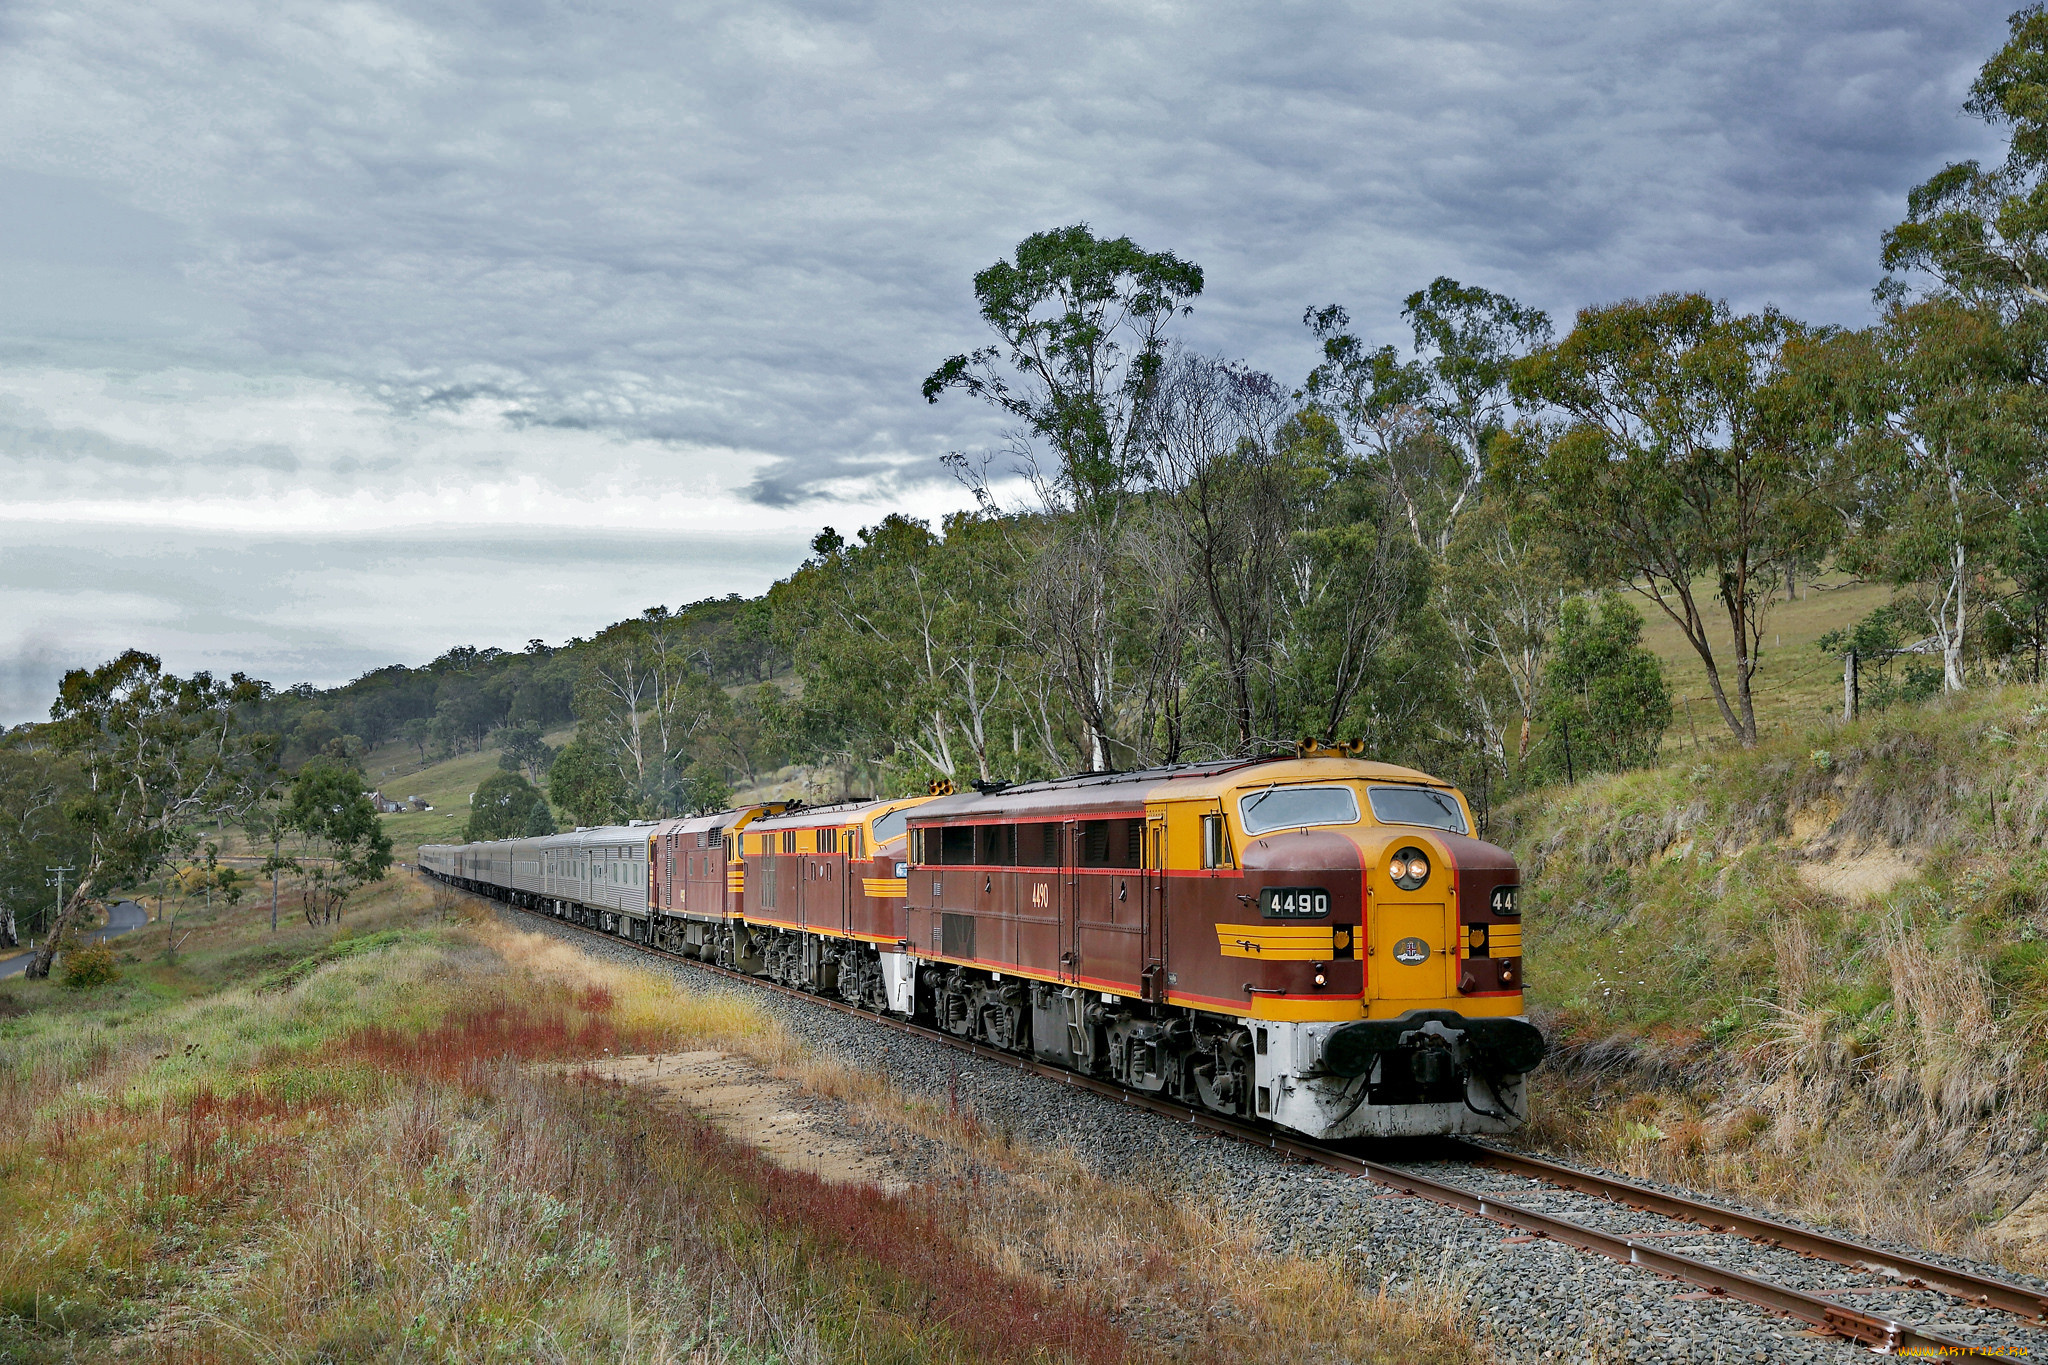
1293,902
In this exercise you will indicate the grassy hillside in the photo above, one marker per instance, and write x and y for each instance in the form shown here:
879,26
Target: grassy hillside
1797,687
1817,970
446,784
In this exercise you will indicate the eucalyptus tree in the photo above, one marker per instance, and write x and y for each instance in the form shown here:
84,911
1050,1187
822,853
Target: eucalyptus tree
1941,420
1961,403
585,784
1357,590
1681,469
1983,231
36,784
1424,423
906,637
328,808
1082,333
1605,695
506,806
523,750
1234,493
642,701
158,755
1501,585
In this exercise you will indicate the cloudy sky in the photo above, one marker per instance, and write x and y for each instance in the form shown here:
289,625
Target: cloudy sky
333,334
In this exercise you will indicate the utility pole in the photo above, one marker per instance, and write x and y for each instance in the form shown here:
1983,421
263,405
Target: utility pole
58,881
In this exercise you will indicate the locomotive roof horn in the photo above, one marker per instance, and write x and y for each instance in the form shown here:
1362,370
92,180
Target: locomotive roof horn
1308,746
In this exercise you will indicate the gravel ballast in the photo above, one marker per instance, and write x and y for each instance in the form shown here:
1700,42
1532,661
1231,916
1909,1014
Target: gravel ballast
1534,1300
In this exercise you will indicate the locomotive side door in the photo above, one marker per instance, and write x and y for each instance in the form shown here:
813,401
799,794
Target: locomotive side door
1070,936
1152,981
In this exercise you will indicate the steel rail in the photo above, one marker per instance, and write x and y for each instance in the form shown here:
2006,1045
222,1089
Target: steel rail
1883,1334
1911,1272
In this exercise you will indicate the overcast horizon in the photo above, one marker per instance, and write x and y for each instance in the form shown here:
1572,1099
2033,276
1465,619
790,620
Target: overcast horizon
340,334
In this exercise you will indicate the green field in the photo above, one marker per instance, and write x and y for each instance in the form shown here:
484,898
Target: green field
394,770
1797,684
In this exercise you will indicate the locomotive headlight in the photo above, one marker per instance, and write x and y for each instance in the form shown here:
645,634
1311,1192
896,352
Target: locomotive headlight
1409,869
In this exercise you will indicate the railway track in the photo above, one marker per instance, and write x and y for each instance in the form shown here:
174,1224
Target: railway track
1817,1308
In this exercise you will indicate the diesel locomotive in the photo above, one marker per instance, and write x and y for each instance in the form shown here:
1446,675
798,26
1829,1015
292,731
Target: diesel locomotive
1316,942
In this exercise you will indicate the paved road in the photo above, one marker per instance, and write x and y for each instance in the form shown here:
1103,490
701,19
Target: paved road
122,916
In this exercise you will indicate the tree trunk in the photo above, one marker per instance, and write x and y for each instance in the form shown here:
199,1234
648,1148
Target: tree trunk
1692,625
1952,642
39,970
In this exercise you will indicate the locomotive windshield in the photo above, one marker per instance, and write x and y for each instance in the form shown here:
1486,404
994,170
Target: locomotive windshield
1295,807
1417,806
891,825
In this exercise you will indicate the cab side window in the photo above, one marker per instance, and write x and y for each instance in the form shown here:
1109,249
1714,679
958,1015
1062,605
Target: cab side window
1215,842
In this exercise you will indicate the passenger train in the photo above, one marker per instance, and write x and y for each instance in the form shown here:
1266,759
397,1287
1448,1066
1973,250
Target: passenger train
1316,942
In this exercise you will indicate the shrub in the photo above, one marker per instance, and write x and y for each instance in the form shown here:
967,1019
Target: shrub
90,966
1605,694
505,806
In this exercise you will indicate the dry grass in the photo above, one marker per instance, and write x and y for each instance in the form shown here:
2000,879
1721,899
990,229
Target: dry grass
1192,1276
385,1158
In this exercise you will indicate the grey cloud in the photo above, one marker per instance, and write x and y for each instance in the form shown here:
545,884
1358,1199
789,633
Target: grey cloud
743,228
329,608
753,225
55,459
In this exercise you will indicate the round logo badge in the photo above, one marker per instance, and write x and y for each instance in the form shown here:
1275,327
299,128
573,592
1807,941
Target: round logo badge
1411,952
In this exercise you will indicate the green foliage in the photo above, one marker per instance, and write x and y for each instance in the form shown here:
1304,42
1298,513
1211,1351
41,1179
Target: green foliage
587,787
644,704
1426,423
36,784
506,806
907,647
540,821
524,751
329,809
1886,675
89,967
1877,636
346,946
158,754
1937,418
1603,690
1081,321
1981,231
1685,464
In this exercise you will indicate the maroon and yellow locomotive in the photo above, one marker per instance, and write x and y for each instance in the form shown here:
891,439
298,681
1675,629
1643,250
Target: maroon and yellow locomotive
1315,941
1318,942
